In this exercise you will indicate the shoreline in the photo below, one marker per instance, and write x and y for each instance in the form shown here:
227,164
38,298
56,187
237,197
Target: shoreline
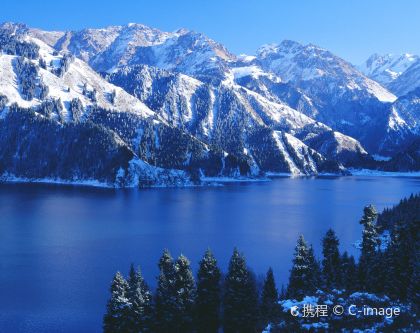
208,181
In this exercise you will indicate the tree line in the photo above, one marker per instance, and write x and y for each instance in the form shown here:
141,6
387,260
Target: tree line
234,302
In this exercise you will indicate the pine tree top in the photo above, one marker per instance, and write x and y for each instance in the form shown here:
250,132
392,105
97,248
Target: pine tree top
118,284
208,266
182,261
237,267
369,214
165,260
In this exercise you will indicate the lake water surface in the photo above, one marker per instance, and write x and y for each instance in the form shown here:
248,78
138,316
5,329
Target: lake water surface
60,245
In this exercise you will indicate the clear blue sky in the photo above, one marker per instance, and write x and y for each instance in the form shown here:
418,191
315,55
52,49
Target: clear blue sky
351,29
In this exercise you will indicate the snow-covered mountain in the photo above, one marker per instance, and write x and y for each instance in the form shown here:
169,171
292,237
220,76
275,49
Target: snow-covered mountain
387,68
73,125
199,57
340,95
210,112
62,120
77,82
105,49
118,42
181,107
181,52
305,65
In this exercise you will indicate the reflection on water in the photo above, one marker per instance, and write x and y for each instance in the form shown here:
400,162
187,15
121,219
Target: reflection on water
60,246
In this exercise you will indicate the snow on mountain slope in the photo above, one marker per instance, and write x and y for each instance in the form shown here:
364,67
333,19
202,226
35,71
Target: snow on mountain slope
196,85
182,51
403,123
211,113
48,37
125,44
407,108
64,102
407,81
190,53
386,68
331,90
308,64
106,47
71,85
253,71
310,79
340,96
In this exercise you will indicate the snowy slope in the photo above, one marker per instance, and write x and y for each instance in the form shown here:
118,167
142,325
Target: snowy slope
115,139
301,64
340,95
194,84
387,68
408,81
69,86
211,114
105,49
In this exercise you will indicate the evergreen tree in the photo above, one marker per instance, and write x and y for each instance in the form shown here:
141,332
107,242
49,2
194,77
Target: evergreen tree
407,210
331,261
269,308
166,296
116,317
42,63
240,299
377,278
140,298
185,296
370,242
369,215
401,260
315,269
283,292
208,295
348,272
112,96
305,273
413,288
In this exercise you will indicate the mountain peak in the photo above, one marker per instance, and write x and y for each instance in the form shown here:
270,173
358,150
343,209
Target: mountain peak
271,48
289,44
181,31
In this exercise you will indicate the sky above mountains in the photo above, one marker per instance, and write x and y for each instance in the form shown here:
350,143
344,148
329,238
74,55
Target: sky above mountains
352,29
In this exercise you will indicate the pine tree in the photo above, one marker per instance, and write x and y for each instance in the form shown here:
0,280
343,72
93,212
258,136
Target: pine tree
348,272
315,270
413,288
208,295
305,273
166,296
331,261
269,308
370,242
283,292
240,299
376,281
185,296
369,215
140,298
401,260
116,317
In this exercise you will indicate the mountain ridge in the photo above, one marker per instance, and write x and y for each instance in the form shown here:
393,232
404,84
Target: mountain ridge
185,86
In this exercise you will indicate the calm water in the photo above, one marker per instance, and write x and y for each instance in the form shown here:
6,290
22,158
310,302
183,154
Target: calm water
60,246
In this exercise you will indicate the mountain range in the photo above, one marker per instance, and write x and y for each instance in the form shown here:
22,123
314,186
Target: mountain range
135,106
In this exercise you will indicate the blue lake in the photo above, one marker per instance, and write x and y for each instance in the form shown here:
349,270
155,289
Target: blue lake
61,245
